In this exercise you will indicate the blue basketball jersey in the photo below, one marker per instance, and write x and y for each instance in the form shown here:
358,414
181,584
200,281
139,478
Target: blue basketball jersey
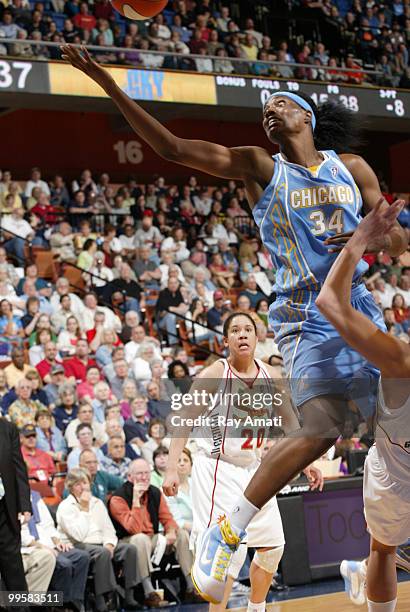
298,210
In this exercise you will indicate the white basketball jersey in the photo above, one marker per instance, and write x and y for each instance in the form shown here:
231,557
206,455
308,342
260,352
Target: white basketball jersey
238,424
393,438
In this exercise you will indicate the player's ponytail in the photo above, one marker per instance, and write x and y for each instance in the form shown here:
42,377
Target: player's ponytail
337,128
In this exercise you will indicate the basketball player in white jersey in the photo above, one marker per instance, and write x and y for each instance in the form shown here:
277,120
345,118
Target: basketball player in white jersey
387,467
228,455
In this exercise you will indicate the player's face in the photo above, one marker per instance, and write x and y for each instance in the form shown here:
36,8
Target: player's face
241,339
282,116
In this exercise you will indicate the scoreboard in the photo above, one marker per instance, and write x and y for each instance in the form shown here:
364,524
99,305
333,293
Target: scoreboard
370,101
242,92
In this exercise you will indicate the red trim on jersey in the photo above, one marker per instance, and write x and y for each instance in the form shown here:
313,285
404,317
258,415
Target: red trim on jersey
244,380
229,407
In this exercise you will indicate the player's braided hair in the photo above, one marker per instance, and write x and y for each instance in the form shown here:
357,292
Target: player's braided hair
337,128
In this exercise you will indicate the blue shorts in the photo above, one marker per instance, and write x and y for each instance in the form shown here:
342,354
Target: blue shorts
316,359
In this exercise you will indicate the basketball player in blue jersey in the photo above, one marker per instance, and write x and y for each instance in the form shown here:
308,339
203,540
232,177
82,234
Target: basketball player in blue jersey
305,198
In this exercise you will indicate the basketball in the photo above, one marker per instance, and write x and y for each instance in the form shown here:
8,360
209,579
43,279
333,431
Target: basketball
139,9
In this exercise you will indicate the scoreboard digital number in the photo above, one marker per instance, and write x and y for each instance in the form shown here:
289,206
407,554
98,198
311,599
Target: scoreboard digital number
247,91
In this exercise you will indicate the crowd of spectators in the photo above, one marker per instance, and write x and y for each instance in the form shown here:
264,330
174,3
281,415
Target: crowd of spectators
370,34
88,373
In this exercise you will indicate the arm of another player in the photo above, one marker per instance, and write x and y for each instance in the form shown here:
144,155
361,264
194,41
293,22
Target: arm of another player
253,165
395,241
206,383
389,354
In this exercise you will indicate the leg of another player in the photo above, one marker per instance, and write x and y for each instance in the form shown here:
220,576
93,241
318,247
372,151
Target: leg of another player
323,420
381,578
221,607
261,578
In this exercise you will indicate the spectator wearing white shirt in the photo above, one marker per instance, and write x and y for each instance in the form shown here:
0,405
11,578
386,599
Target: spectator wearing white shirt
128,241
203,202
85,416
83,520
176,243
139,337
20,230
70,564
91,306
63,288
167,258
384,296
36,181
404,288
100,274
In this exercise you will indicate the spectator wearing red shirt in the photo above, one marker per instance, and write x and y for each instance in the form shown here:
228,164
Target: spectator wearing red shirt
85,390
197,42
77,366
44,210
39,463
50,361
83,19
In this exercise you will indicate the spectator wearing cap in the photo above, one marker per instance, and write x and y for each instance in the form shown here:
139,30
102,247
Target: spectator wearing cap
17,368
85,441
49,362
76,367
23,410
170,304
215,314
52,388
39,463
115,461
67,409
49,437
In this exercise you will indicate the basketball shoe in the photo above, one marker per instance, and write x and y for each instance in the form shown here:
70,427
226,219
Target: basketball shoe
403,557
214,551
354,576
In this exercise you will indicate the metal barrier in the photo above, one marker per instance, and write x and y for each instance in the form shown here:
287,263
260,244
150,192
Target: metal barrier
134,57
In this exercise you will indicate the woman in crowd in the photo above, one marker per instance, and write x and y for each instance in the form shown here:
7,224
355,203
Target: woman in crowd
86,389
103,352
86,258
30,319
401,311
160,459
49,437
181,504
178,372
43,322
68,338
156,439
141,365
67,409
198,327
129,390
36,352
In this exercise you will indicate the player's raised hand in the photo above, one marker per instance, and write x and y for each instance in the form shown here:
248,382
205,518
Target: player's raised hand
170,485
372,230
80,58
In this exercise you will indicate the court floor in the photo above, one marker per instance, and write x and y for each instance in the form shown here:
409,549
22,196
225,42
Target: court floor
336,602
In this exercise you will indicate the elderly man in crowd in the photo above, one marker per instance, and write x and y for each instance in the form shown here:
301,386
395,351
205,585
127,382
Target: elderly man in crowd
102,483
137,509
83,521
115,462
23,410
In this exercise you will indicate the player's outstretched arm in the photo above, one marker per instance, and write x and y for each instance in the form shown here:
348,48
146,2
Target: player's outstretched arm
243,163
192,405
393,242
390,355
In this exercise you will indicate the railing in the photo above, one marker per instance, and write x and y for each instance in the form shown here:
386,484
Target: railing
134,57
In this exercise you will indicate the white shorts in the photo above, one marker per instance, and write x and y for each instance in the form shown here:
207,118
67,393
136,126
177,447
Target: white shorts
386,509
215,486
